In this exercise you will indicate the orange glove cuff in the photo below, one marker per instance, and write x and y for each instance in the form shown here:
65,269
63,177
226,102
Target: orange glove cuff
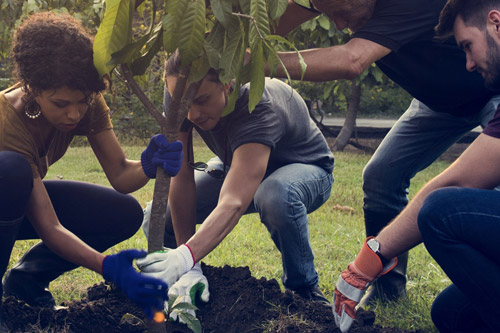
367,263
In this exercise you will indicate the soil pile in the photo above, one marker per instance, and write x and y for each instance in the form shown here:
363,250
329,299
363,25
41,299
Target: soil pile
238,303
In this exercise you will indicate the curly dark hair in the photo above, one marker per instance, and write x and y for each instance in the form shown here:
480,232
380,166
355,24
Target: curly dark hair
52,51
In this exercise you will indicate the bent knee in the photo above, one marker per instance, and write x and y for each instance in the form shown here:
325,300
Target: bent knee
15,169
434,208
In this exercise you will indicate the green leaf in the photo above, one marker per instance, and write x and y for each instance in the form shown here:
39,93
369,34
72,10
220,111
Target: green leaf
193,32
223,11
184,306
113,34
216,36
273,60
303,3
303,65
324,22
171,301
213,55
199,68
245,6
257,76
171,23
377,74
259,28
140,65
129,52
191,321
229,57
277,8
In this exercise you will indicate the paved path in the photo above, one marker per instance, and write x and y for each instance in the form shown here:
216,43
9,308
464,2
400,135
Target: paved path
368,122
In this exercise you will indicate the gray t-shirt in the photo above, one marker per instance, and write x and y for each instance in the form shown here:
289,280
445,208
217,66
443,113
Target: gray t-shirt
280,120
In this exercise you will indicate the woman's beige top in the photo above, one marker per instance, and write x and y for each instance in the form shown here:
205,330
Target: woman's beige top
15,136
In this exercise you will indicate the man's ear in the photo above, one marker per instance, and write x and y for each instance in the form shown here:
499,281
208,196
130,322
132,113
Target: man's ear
494,20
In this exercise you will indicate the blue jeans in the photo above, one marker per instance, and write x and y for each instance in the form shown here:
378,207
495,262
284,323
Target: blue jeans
283,200
417,139
460,228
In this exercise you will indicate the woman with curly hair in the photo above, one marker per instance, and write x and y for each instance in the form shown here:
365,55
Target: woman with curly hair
57,97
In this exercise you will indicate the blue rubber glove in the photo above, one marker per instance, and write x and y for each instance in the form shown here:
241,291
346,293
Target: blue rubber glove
161,153
147,292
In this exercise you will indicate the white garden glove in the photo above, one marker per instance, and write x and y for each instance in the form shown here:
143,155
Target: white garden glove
190,288
167,265
146,218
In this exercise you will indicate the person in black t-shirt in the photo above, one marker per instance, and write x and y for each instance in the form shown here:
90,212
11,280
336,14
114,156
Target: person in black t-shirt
456,214
448,101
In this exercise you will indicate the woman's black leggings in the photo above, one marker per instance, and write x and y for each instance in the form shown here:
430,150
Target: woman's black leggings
100,216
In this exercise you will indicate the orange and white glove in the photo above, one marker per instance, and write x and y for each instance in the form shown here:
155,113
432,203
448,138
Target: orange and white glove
354,281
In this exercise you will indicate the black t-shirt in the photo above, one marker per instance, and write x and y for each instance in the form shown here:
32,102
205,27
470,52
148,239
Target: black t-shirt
280,120
431,70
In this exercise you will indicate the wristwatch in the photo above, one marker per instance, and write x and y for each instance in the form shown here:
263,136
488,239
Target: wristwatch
374,245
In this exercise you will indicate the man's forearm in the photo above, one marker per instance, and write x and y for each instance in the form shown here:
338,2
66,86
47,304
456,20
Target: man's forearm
402,233
321,65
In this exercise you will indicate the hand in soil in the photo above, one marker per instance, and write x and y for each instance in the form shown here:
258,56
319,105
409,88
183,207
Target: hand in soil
190,288
149,293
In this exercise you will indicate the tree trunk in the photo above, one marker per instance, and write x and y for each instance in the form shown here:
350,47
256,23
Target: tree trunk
350,119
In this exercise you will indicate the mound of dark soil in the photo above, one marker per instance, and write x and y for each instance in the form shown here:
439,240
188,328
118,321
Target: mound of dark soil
238,303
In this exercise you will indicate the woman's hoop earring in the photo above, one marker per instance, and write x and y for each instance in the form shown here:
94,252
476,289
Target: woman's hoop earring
31,108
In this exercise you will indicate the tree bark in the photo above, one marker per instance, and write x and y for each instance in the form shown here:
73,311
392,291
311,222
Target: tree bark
350,119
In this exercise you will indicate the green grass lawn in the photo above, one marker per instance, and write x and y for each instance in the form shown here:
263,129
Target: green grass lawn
336,237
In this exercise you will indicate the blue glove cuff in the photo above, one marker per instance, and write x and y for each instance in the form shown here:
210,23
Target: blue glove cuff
147,166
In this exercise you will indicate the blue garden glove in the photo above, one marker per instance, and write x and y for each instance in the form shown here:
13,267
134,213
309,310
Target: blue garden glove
354,281
168,265
161,153
149,293
190,288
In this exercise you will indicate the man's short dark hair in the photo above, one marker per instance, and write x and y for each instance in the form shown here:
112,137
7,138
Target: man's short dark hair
473,12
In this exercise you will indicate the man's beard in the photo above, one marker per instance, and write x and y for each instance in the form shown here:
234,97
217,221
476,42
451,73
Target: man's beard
492,75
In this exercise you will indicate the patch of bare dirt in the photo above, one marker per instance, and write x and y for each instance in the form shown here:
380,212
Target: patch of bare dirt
238,303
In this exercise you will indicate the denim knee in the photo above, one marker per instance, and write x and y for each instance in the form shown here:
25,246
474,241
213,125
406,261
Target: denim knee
16,182
433,211
272,200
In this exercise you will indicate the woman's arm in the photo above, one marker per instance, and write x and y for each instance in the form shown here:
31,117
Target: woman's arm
123,174
248,168
59,239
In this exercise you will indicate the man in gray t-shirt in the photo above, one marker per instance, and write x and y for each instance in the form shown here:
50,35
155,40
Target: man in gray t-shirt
273,161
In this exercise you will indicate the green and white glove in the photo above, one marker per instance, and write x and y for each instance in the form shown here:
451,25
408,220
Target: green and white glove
192,287
167,265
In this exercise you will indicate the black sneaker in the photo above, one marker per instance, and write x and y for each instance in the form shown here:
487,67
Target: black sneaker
23,287
313,294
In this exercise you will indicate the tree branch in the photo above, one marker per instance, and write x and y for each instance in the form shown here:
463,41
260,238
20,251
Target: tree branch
152,109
